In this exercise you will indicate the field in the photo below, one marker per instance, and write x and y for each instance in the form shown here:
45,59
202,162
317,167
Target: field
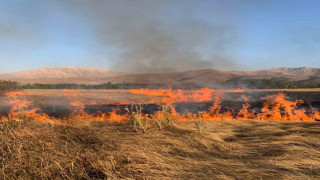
57,97
95,149
102,150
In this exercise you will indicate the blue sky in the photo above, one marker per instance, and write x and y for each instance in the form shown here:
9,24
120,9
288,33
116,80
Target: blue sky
247,34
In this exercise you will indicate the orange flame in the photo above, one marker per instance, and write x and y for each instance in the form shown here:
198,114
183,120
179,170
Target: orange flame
79,111
275,107
170,96
22,107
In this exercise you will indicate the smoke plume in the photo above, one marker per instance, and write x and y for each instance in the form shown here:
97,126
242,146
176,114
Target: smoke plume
144,36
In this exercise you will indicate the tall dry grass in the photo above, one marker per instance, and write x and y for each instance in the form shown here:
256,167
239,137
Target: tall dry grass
103,150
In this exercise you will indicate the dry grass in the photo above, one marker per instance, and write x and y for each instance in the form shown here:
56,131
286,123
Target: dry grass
104,150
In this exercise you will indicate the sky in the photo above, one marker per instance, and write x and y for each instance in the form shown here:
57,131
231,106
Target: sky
159,36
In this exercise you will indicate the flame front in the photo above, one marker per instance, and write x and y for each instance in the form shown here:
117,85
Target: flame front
275,107
23,107
79,112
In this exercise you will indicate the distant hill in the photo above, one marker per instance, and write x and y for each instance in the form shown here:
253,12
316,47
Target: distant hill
300,71
211,78
66,72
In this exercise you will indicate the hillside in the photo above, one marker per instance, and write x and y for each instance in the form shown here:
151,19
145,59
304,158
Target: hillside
197,78
66,72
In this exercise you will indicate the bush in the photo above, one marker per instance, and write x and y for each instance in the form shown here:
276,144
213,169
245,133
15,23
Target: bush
8,85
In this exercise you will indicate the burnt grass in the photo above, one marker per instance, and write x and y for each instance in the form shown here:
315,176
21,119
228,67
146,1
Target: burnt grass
103,150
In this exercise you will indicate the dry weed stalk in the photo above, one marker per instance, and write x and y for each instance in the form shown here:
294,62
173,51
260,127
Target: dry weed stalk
139,122
198,122
167,117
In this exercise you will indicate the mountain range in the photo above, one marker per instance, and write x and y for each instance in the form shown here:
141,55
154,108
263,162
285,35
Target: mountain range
66,72
201,78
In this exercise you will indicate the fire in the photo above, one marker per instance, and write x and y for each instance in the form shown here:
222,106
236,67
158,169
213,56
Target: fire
79,112
244,113
277,107
23,108
274,107
170,96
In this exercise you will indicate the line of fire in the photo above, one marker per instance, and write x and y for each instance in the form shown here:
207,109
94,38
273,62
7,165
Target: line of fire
181,105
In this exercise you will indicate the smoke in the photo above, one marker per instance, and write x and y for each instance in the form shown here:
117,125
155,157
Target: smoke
9,31
143,36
